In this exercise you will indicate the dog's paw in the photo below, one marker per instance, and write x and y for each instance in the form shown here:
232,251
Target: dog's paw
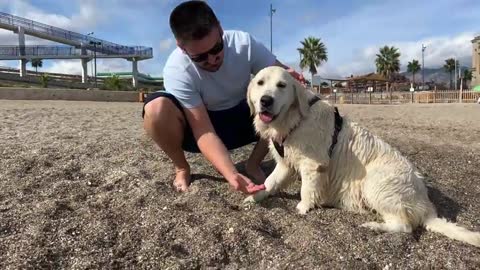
257,197
249,200
303,207
372,226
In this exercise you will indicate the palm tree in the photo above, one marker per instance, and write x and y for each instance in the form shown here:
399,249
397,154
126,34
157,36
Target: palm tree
312,54
413,67
467,76
36,63
388,62
450,68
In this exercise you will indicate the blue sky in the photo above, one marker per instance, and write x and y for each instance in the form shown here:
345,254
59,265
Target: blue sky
352,30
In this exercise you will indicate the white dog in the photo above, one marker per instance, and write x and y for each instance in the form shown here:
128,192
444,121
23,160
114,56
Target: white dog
340,163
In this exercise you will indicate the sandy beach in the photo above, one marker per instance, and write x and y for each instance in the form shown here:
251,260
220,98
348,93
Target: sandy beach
82,186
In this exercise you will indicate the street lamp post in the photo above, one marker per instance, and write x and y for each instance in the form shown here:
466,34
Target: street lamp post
455,77
95,43
272,10
423,67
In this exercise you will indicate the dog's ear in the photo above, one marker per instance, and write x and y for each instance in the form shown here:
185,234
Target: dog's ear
301,97
249,100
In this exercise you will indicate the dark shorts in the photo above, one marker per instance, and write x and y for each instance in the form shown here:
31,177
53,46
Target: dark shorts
234,126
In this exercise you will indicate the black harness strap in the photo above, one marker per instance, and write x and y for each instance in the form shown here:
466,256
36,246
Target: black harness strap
338,126
279,147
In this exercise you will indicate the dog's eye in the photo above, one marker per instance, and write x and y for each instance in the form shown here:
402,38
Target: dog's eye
260,82
281,85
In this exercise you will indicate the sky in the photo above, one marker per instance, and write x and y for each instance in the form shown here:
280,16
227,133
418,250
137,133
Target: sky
352,30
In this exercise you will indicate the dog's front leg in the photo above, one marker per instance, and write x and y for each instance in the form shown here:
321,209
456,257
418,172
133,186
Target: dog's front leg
277,180
312,175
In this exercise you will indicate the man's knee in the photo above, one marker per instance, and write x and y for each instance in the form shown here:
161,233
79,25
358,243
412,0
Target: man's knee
162,111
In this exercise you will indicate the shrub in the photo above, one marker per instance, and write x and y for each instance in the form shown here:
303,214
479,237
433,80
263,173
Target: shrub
113,83
44,80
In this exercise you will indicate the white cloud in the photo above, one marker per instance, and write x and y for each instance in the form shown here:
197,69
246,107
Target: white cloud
75,66
166,44
87,17
363,60
65,66
438,49
353,40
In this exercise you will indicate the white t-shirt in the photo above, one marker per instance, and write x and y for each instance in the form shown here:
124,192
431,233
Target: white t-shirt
227,86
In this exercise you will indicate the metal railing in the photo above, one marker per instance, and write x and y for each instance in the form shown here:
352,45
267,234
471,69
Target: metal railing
54,50
40,50
106,47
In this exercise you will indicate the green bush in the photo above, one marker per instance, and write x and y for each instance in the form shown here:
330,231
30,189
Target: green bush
44,80
113,83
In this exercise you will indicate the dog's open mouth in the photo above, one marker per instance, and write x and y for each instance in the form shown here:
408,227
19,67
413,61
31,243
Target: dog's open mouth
266,117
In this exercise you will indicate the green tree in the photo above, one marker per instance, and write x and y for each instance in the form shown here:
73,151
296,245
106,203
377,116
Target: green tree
388,62
450,68
467,76
413,67
37,63
312,54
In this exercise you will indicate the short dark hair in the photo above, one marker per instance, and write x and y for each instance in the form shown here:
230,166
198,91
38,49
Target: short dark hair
192,20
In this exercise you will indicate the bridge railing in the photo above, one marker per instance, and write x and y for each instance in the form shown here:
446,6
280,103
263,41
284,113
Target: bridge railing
54,50
105,47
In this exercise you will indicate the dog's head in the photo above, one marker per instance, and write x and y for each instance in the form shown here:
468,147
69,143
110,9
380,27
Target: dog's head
273,96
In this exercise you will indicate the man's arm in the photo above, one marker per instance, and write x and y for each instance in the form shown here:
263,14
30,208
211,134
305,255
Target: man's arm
261,57
215,151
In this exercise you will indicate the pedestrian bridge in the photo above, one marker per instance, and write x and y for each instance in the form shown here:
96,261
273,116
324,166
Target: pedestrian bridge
76,46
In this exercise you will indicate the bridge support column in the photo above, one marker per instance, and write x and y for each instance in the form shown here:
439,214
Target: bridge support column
21,44
134,73
85,70
84,65
23,67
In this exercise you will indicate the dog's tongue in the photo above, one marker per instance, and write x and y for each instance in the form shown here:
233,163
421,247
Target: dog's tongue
266,117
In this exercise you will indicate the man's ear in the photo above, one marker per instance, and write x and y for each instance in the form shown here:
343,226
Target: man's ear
301,97
249,101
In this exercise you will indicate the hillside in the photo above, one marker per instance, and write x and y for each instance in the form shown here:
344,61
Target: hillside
438,75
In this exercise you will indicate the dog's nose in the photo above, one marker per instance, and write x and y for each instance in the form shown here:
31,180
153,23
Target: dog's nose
266,101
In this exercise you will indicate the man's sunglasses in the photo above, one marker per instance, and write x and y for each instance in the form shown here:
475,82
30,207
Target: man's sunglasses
217,48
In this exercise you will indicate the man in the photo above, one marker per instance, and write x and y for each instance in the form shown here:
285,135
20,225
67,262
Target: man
204,106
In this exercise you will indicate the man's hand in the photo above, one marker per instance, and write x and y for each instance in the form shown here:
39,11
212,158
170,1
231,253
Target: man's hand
241,183
298,76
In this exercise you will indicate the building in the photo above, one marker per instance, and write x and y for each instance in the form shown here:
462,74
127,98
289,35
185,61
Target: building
476,61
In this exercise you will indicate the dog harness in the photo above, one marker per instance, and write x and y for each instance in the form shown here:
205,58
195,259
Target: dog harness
338,126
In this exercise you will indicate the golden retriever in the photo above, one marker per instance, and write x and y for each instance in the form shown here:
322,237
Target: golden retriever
350,169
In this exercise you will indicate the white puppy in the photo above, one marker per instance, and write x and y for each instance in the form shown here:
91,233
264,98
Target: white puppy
343,166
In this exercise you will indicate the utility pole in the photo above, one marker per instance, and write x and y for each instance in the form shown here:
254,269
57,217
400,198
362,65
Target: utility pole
272,10
455,77
423,67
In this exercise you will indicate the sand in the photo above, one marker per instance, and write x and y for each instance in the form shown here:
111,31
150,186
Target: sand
81,186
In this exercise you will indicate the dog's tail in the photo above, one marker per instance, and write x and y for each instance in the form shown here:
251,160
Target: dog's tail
452,230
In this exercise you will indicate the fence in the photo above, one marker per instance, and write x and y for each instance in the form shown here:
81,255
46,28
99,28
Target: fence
438,96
